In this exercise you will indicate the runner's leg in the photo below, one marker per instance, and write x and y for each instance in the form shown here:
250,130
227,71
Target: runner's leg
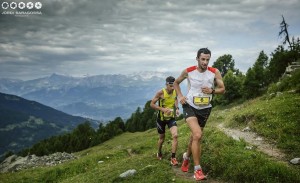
174,134
196,137
189,149
161,140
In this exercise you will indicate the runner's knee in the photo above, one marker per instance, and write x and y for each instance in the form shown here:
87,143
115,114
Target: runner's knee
161,138
197,136
174,136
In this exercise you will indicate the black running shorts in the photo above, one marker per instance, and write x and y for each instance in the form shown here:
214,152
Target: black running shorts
161,125
201,114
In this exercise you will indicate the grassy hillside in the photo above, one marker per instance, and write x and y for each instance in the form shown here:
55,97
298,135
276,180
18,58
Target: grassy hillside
24,123
224,159
276,118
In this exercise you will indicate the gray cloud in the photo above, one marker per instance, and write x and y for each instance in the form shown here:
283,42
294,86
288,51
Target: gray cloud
125,36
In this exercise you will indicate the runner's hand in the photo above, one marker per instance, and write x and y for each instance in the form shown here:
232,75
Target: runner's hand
182,100
177,112
167,111
206,90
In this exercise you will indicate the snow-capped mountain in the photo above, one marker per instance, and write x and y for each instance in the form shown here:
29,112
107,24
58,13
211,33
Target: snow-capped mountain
148,75
100,97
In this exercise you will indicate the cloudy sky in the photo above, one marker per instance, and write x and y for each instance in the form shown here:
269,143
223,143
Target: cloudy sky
92,37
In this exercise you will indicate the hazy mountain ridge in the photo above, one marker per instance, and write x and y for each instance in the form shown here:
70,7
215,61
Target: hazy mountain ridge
24,122
102,97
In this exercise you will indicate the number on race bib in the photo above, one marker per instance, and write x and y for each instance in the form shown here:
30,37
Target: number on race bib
201,100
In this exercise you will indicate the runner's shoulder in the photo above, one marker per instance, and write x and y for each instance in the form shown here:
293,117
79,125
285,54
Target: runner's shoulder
191,68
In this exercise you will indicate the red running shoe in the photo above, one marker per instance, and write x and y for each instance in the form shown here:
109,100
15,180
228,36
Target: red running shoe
198,175
185,163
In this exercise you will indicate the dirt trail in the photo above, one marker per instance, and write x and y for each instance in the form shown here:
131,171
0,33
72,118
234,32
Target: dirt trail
255,140
252,138
190,175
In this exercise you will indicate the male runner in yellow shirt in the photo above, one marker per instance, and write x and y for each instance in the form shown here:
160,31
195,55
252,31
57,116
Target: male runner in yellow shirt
167,109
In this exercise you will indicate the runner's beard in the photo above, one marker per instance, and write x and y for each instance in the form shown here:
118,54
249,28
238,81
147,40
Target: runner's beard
203,67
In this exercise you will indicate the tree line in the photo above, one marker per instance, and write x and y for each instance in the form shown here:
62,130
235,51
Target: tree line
264,72
258,78
85,136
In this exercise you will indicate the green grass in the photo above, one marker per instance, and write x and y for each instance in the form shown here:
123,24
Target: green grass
275,118
223,158
228,160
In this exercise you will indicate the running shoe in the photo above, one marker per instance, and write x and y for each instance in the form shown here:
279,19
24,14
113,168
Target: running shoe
198,175
174,162
185,163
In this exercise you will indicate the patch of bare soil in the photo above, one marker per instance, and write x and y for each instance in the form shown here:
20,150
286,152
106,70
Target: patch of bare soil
190,175
179,173
255,140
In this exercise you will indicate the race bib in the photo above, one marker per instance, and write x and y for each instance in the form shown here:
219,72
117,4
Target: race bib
201,100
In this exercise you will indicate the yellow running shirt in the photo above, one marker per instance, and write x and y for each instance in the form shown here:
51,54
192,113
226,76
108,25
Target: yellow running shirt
168,101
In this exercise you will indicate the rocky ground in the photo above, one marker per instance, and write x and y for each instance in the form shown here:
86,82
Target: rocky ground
15,163
257,142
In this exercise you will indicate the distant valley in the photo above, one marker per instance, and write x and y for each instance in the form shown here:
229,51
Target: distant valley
101,97
24,122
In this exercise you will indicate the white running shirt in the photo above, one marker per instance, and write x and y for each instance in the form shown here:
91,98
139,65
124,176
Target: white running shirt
197,80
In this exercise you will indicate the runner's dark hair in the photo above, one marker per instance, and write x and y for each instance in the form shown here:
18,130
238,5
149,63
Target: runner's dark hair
203,50
170,79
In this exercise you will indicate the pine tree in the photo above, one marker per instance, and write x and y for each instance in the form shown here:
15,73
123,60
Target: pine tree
224,64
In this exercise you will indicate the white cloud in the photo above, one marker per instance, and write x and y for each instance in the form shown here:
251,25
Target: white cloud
113,36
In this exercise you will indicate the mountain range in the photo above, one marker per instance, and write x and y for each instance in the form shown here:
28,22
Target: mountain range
100,97
24,122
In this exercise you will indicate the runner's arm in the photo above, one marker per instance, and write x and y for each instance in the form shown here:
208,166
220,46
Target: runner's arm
177,82
177,108
220,89
155,99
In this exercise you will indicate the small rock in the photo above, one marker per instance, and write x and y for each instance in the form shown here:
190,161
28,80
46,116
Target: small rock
128,173
235,137
272,94
100,161
249,147
10,159
247,129
259,139
295,161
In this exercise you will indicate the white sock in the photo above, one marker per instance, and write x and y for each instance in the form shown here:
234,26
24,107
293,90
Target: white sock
198,167
185,157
